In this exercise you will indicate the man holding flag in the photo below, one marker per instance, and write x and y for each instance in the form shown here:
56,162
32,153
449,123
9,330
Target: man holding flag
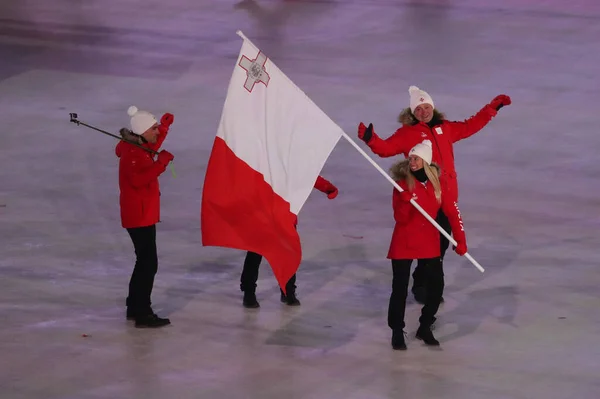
264,163
252,262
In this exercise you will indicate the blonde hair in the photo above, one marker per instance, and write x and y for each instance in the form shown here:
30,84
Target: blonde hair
401,171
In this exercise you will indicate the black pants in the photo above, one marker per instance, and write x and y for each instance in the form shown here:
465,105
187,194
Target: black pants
419,273
146,266
433,279
250,274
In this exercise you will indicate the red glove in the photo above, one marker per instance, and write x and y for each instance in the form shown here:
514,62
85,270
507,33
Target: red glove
332,192
361,130
365,133
167,120
500,101
461,248
406,196
164,157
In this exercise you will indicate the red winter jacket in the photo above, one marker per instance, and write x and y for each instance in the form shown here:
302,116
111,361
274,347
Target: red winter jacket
138,183
442,137
414,236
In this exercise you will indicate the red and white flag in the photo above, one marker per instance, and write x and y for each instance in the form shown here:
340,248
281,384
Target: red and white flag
271,144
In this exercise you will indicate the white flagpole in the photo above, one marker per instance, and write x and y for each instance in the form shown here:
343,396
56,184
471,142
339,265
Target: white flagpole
412,201
364,154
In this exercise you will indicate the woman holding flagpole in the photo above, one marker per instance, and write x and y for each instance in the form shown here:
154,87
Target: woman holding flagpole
414,237
423,121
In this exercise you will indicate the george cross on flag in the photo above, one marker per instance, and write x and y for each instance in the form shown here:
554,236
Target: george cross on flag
271,144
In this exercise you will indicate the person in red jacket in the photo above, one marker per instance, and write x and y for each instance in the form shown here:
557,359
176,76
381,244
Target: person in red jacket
414,237
140,206
252,262
423,121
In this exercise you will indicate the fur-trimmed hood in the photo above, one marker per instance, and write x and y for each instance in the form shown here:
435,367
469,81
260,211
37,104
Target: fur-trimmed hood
407,118
128,137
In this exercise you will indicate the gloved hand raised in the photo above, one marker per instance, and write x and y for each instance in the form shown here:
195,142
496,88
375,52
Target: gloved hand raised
500,101
165,122
365,133
167,119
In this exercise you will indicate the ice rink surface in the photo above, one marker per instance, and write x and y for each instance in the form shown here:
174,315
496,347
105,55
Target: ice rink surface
526,328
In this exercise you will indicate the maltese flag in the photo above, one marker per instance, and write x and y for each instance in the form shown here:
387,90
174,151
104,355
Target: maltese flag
271,144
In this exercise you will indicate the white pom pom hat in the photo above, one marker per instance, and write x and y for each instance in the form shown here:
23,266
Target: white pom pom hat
140,120
423,150
418,97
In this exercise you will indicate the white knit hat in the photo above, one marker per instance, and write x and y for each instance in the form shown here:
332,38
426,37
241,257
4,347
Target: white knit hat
422,150
418,97
140,120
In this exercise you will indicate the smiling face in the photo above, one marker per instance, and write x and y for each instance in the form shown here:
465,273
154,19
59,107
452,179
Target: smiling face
415,162
424,113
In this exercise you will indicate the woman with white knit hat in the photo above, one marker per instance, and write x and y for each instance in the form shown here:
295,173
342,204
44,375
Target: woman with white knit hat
421,120
140,206
414,237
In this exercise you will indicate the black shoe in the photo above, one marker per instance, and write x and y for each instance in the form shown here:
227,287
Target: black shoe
250,301
132,313
398,342
151,321
425,335
420,294
290,299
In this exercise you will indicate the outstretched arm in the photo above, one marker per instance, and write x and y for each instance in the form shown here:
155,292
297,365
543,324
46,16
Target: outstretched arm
468,127
389,147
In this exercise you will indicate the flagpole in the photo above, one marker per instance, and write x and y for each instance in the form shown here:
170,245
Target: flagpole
412,201
416,205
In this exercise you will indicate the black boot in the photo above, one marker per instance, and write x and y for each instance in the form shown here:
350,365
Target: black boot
250,301
398,342
424,334
419,288
150,320
290,299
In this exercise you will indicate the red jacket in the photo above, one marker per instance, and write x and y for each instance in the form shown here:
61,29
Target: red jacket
414,236
442,137
138,183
